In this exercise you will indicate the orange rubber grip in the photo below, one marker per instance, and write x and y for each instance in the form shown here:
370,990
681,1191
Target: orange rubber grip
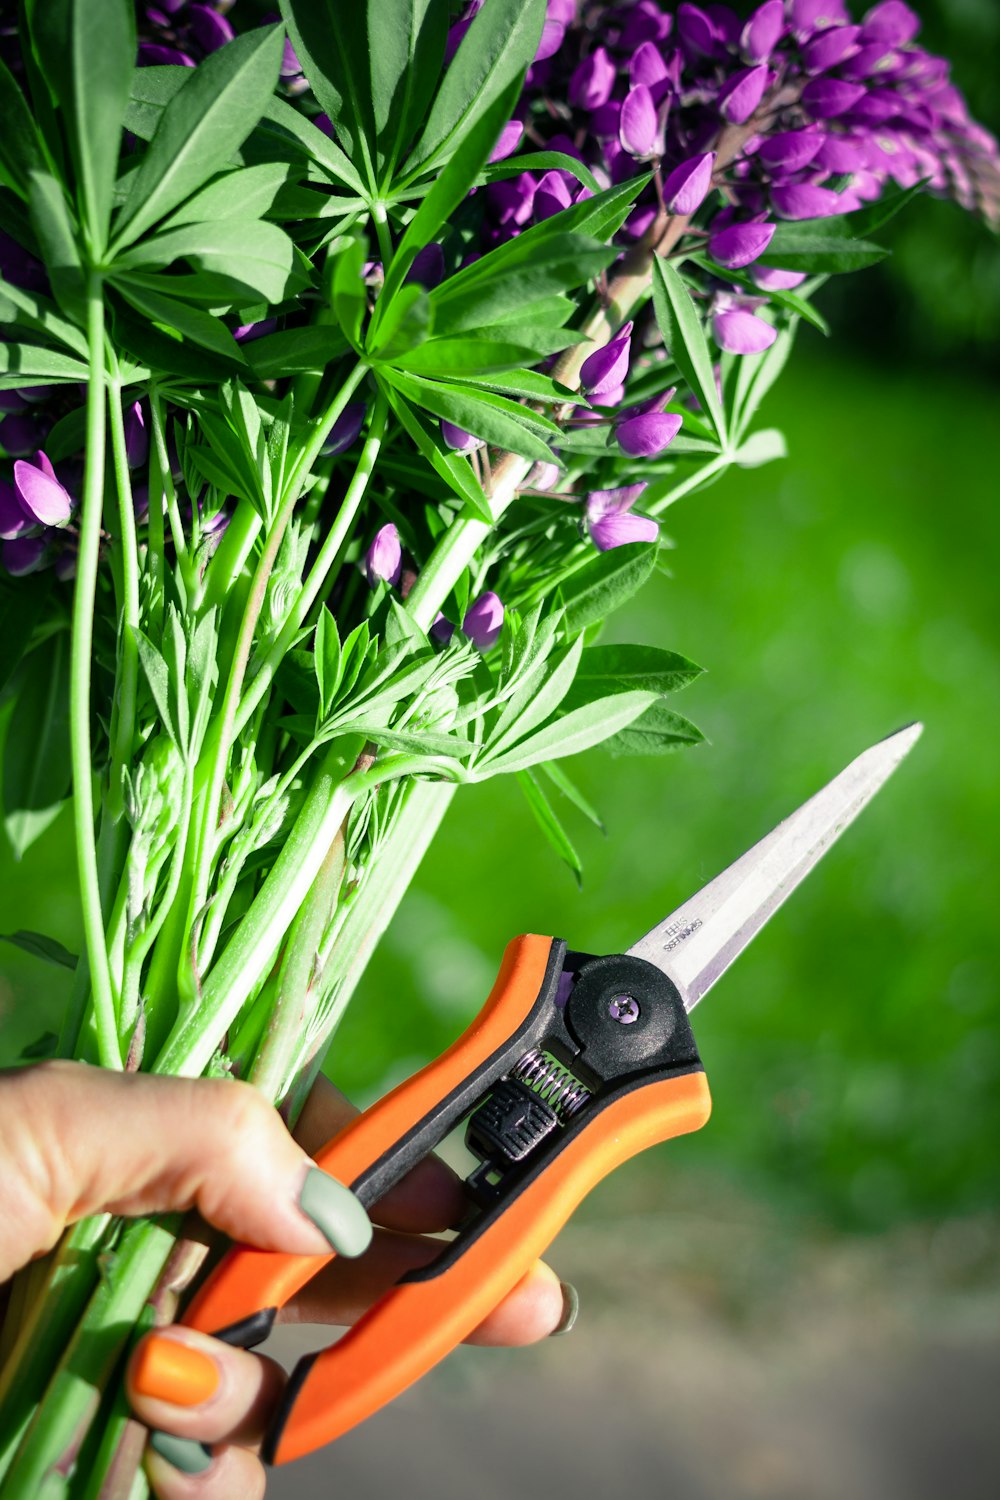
247,1281
418,1321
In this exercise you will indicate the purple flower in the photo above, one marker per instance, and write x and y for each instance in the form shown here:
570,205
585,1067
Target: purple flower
152,55
892,22
811,15
344,432
609,522
484,620
643,431
25,554
136,436
826,97
739,244
637,129
553,35
427,269
841,153
829,48
551,196
789,150
763,31
739,331
592,81
773,280
458,439
741,95
442,629
291,67
802,200
687,186
543,476
508,141
247,332
696,31
13,520
644,22
606,368
384,558
43,498
647,67
21,433
210,30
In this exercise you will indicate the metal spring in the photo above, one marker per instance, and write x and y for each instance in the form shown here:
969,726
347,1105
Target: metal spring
553,1083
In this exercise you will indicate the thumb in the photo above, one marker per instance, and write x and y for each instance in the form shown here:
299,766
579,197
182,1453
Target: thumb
78,1140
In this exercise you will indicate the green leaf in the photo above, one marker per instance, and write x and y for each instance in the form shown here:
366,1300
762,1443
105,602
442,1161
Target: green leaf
348,296
36,761
150,92
685,340
528,383
615,668
56,235
404,326
407,41
606,582
23,364
256,258
20,148
87,51
474,414
826,245
519,719
157,674
294,350
576,731
246,193
451,467
473,354
284,128
655,732
758,373
202,126
545,816
190,322
561,780
328,660
33,311
23,602
542,161
40,946
562,263
761,447
491,58
332,43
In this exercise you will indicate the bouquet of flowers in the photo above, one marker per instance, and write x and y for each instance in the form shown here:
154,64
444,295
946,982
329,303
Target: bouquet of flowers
350,363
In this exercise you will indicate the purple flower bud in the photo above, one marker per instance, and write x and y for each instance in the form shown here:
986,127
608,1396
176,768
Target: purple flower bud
543,476
21,434
828,48
64,566
639,220
763,31
136,436
696,31
344,432
442,629
512,200
210,30
648,433
741,332
44,499
773,280
739,244
592,81
687,186
563,11
789,150
644,22
152,55
458,439
647,67
508,141
840,153
892,22
826,97
553,35
801,200
609,522
812,15
551,196
384,558
13,521
291,67
483,620
637,129
606,368
247,332
23,555
742,94
427,269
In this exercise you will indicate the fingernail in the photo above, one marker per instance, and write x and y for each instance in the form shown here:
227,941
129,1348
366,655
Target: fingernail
168,1370
336,1212
186,1454
571,1307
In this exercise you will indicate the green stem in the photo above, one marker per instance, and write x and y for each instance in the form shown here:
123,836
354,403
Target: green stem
693,482
327,557
173,512
230,557
80,666
144,941
126,687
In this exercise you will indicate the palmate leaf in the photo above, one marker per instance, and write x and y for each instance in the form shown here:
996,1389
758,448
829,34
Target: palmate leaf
189,323
32,311
201,127
658,731
251,254
449,466
542,161
606,582
562,263
610,668
496,421
548,821
578,730
685,340
20,148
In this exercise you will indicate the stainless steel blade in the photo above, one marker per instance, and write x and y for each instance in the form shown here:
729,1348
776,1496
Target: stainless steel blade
698,942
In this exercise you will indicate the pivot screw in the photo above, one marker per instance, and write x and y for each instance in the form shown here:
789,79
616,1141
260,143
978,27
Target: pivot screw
624,1010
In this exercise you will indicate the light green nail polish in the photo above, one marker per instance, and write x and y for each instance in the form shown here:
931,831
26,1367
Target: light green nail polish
186,1454
571,1307
336,1213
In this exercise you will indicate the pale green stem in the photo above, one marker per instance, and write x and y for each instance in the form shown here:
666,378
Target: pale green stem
173,510
80,668
136,955
333,544
715,466
126,687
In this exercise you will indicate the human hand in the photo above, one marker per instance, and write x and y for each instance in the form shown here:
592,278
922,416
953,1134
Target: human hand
216,1146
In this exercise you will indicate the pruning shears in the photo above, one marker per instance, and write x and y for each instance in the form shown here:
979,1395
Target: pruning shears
575,1063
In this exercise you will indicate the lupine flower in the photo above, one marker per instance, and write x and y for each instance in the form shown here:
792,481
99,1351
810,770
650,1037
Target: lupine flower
21,433
790,150
211,31
458,439
508,141
696,31
593,80
44,499
442,629
645,22
644,431
763,31
891,22
687,186
247,332
384,558
136,436
23,555
827,49
606,368
647,67
551,196
552,38
344,432
542,477
428,267
14,521
739,244
609,522
484,620
741,95
637,129
739,331
774,280
802,200
826,97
